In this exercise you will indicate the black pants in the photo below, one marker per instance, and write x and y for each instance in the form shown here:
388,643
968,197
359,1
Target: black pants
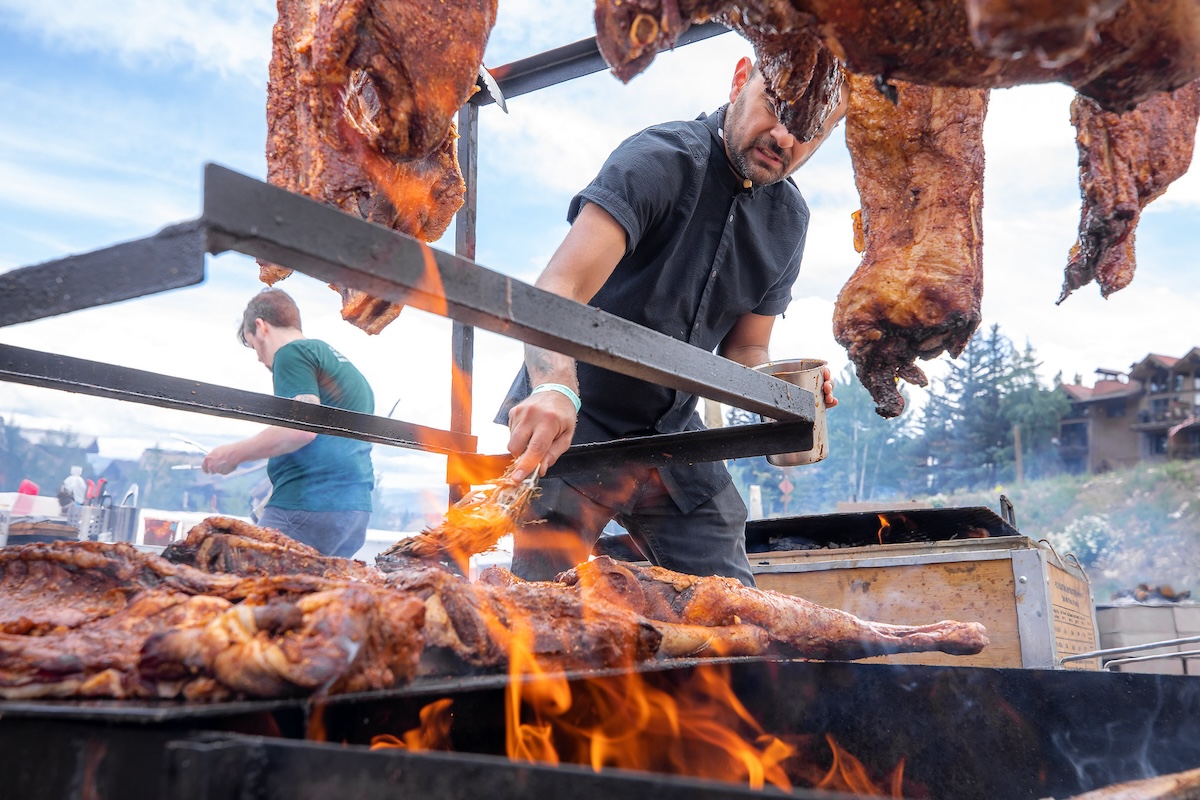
709,540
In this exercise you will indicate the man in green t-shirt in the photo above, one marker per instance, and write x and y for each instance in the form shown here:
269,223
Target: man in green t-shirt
321,485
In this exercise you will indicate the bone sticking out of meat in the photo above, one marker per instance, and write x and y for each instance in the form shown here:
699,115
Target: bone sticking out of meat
803,77
1125,162
918,165
360,107
810,630
1116,52
472,525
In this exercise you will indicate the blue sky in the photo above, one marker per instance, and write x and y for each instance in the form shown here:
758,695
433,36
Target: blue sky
109,111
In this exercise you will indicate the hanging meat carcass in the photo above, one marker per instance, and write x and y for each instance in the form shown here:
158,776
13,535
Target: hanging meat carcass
360,114
917,292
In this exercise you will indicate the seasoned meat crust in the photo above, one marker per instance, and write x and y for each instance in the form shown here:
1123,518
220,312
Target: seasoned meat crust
360,114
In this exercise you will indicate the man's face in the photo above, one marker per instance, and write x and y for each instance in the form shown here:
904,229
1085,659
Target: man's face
757,143
258,343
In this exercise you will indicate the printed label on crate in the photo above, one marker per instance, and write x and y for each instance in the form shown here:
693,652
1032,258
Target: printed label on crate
1071,604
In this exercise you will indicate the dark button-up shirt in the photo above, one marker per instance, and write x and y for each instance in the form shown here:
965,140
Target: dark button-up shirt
702,252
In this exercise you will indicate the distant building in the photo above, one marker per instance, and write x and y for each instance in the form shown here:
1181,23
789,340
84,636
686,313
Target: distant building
1150,413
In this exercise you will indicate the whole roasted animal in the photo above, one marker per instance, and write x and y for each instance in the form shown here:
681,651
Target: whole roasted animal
1115,52
807,629
360,108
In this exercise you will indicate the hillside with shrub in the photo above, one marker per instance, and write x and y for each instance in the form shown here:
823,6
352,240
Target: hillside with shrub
1126,527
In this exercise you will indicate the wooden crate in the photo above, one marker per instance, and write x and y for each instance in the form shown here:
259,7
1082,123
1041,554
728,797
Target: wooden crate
1037,607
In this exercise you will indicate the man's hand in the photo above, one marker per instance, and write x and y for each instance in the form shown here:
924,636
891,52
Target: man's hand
541,427
827,388
221,460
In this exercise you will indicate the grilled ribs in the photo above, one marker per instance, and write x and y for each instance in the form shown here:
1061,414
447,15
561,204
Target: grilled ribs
918,164
360,108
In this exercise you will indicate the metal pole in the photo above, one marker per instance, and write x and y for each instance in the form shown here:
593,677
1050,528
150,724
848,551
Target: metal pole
463,336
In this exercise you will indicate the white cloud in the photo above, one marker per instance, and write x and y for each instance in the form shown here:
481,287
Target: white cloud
105,158
228,37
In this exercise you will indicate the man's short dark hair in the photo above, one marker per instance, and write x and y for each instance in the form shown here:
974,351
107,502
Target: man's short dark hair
273,306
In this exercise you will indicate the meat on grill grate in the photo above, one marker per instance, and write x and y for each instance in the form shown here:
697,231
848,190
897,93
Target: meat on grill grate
98,620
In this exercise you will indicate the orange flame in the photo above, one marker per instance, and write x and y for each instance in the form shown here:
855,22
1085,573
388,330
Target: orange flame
432,734
847,774
699,729
883,526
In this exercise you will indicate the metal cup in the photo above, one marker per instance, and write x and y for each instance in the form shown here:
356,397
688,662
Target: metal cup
807,373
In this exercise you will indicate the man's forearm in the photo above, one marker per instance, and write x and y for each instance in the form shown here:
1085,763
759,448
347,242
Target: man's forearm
271,442
747,356
547,366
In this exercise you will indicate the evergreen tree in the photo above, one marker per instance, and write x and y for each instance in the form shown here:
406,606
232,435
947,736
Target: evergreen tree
867,458
967,429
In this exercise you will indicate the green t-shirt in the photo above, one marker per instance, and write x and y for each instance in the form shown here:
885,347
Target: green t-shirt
330,473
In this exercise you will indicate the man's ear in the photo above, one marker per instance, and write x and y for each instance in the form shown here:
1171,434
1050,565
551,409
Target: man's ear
741,74
260,328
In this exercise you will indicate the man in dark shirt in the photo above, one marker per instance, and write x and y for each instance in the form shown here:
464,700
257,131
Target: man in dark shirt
691,229
320,485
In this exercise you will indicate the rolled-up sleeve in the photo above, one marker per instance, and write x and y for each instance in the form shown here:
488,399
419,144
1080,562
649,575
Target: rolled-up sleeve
640,182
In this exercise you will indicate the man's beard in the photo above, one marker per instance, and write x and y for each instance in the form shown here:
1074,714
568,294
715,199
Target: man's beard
740,158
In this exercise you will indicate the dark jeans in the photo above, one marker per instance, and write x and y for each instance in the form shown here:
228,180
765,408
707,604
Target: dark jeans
709,540
334,533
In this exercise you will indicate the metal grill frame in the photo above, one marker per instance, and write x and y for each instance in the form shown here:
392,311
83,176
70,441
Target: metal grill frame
256,219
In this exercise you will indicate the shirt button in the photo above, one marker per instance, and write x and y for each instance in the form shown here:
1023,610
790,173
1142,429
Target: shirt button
731,217
714,273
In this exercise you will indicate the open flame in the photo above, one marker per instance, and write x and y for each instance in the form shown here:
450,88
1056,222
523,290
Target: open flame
698,728
433,733
883,526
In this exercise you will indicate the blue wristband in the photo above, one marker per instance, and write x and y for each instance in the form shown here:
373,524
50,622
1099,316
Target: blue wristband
566,391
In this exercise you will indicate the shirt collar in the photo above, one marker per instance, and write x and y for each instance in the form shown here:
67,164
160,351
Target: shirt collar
729,178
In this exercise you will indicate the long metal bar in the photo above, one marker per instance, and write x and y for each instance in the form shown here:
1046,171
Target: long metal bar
569,62
1133,648
462,339
105,276
1182,655
740,441
47,370
267,222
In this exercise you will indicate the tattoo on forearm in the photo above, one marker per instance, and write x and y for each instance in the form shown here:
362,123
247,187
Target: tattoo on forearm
546,364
